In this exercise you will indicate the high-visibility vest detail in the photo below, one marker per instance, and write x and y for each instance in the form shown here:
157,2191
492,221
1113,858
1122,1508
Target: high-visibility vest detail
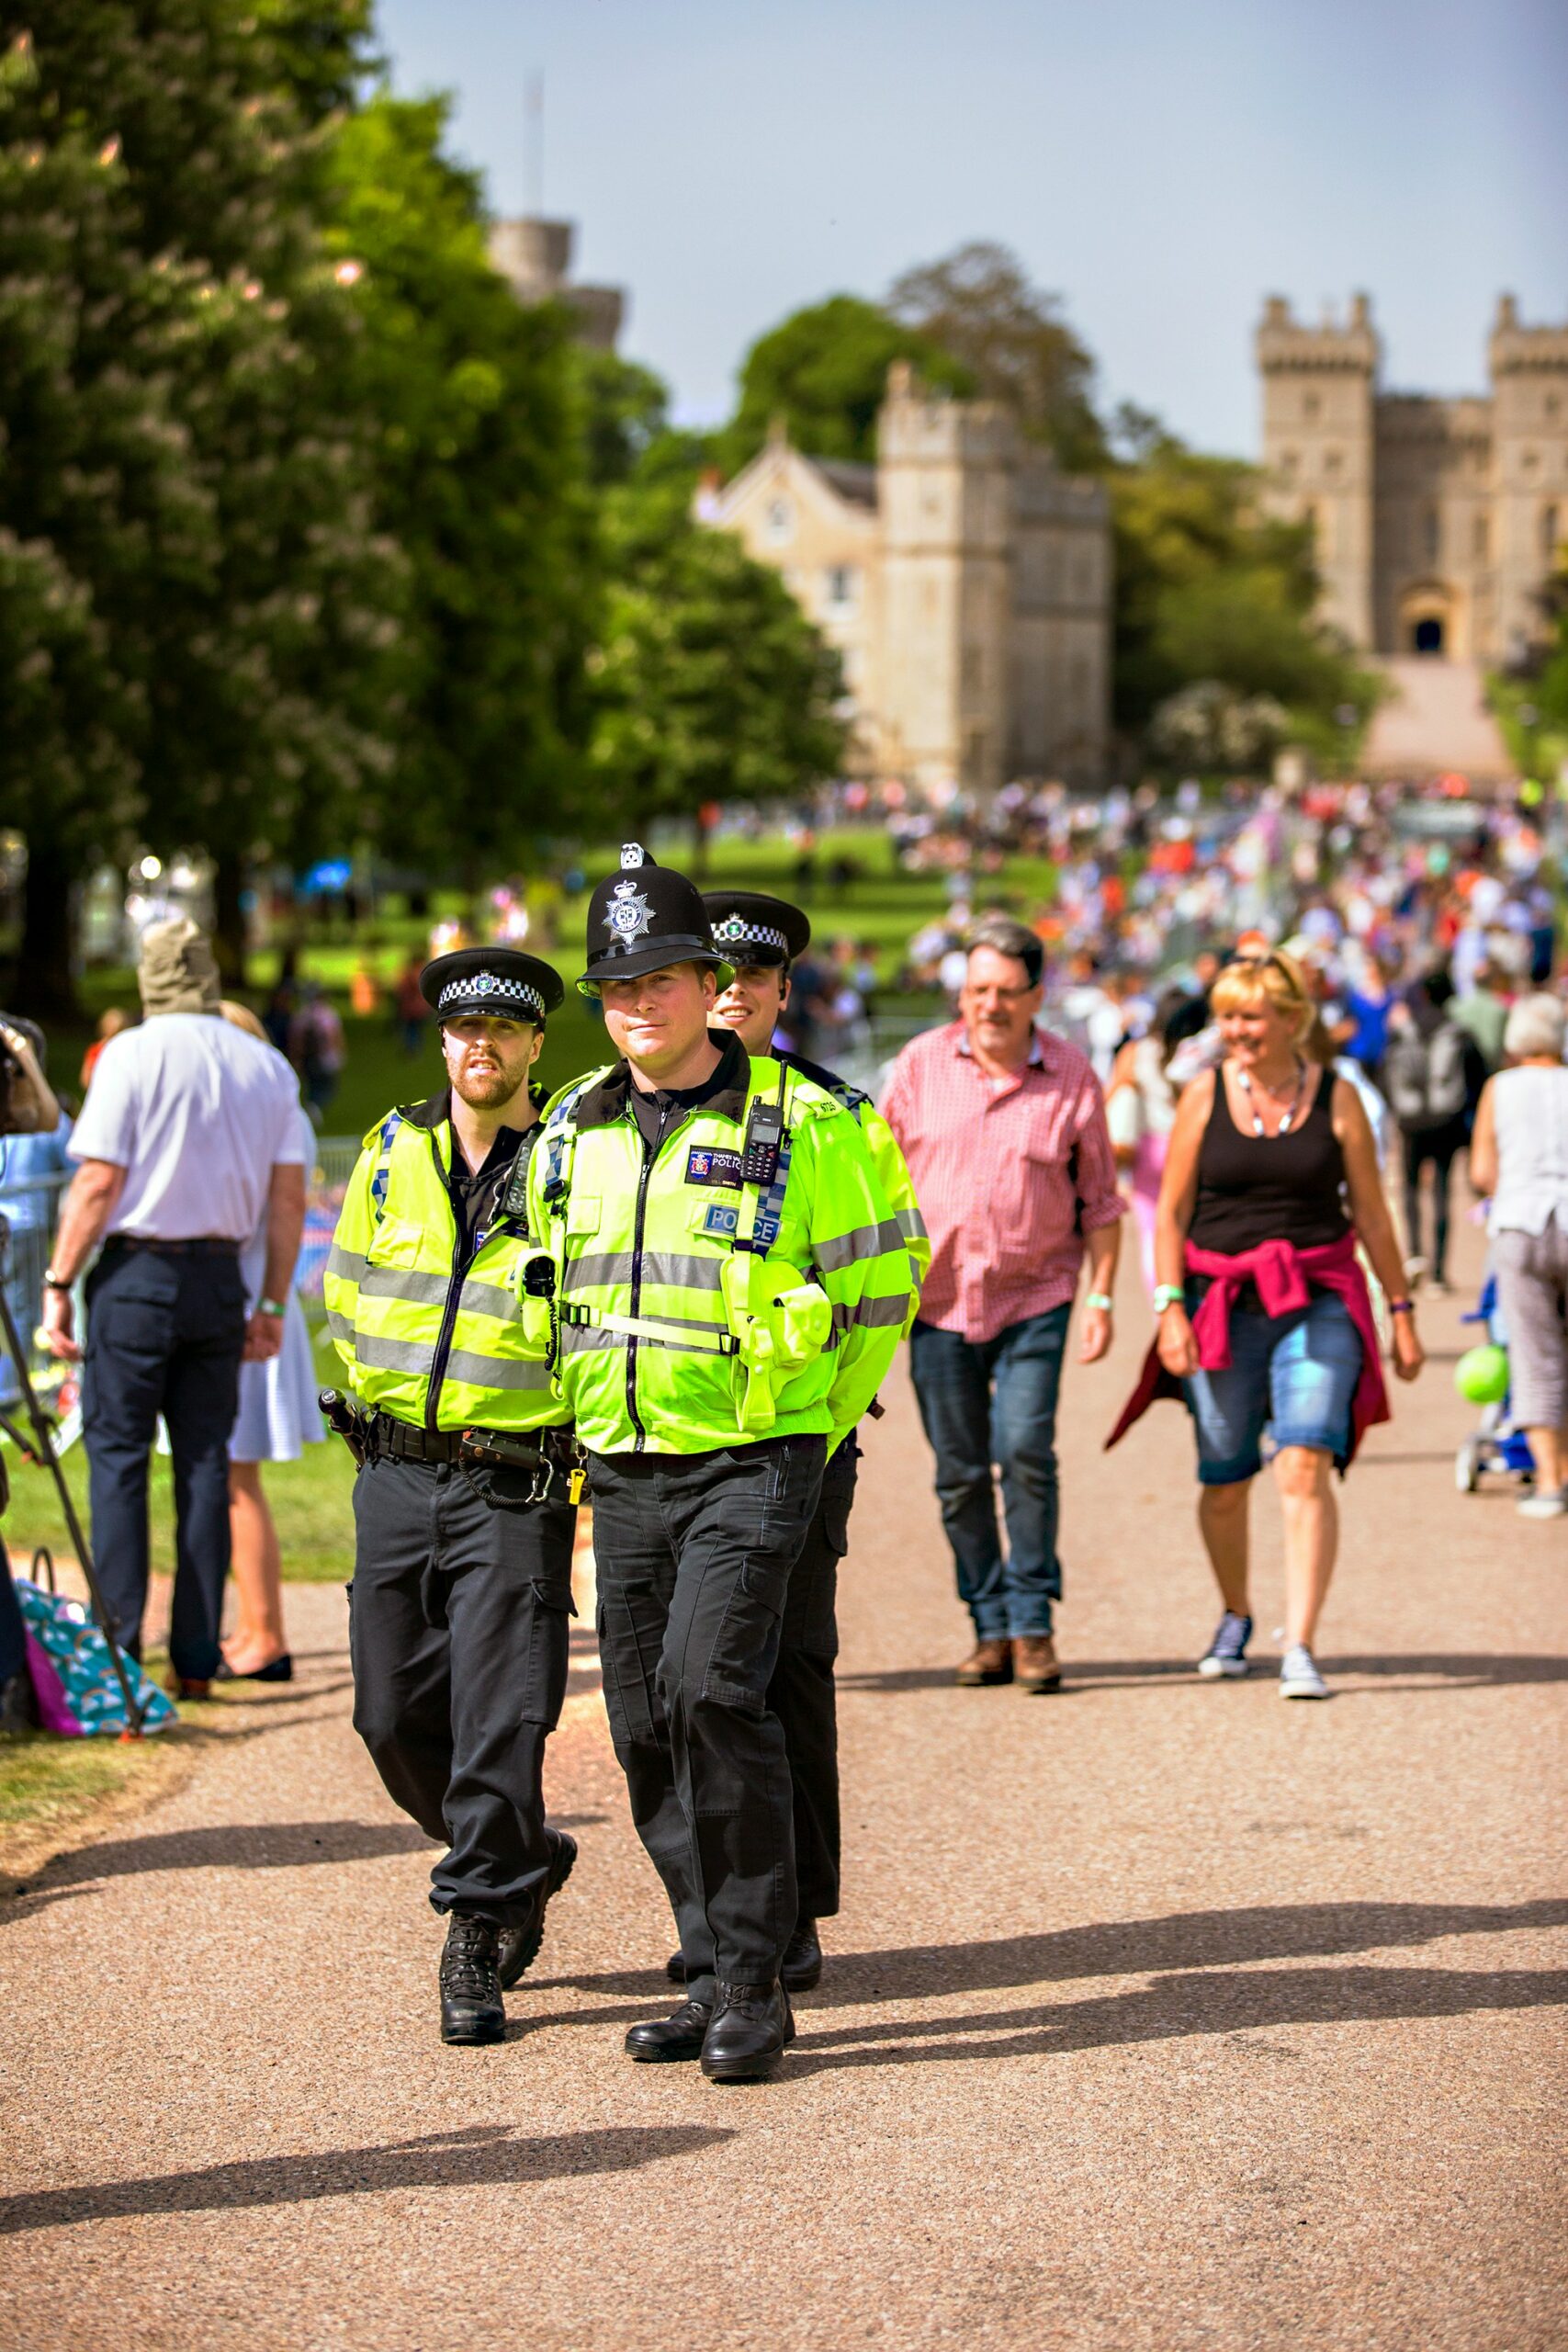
697,1309
423,1336
892,1170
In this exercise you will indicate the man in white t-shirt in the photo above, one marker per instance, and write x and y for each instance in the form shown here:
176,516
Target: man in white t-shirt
189,1131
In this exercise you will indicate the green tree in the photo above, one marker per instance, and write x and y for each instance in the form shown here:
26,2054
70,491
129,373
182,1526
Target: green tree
258,638
979,306
481,414
1210,590
626,413
824,372
709,683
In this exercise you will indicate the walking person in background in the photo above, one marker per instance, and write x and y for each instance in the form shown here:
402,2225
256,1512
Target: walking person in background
1518,1155
1140,1110
110,1023
1433,1074
30,1167
1265,1320
187,1139
277,1418
1003,1128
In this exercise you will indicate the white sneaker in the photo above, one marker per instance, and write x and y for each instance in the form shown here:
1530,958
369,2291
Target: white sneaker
1546,1506
1299,1677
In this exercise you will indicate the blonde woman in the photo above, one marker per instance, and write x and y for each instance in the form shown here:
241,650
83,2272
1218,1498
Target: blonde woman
1265,1322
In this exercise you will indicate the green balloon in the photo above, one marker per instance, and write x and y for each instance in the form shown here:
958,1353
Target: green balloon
1481,1374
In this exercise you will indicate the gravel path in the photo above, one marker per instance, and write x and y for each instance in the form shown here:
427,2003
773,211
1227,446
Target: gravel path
1160,2013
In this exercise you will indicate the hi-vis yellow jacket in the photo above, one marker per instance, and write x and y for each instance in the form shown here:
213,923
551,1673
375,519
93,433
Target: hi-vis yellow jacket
887,1158
426,1337
676,1337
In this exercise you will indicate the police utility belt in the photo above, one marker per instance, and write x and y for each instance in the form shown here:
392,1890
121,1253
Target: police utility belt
554,1456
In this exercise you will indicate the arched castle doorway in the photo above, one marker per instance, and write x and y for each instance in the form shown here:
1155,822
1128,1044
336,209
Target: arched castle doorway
1430,622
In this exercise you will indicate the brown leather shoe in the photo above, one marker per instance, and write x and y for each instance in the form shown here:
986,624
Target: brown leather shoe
988,1662
1035,1656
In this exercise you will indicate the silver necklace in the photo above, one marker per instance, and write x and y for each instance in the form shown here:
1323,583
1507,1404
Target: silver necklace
1245,1083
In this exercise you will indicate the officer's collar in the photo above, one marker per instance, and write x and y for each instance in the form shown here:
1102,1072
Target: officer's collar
606,1100
436,1112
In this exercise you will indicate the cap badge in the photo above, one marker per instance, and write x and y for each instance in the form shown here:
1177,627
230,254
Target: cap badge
731,928
631,855
628,916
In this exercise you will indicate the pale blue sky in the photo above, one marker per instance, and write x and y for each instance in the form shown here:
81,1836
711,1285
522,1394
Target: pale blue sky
1160,164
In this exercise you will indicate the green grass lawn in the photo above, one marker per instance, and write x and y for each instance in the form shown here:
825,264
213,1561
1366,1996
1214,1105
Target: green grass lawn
311,1502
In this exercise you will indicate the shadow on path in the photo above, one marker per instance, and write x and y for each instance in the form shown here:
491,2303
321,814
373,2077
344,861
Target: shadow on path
1186,2005
1464,1670
484,2157
1183,1941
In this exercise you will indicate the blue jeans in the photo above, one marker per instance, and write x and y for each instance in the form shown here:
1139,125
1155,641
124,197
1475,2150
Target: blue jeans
996,1402
164,1334
1291,1376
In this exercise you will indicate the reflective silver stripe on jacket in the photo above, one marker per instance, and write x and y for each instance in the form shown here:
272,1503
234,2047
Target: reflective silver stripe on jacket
672,1268
872,1313
418,1359
864,1241
575,1338
348,1264
910,1224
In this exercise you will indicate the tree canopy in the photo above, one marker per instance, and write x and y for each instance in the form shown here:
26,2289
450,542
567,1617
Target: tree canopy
823,371
1010,339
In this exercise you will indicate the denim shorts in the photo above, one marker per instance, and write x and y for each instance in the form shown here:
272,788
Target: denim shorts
1291,1376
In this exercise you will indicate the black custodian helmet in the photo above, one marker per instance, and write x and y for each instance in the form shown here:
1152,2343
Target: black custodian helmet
643,918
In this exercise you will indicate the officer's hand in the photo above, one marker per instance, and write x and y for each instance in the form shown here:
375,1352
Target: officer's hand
58,1327
1097,1334
264,1337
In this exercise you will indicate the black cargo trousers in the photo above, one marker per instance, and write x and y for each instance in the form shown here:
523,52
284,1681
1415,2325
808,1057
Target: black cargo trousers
694,1555
802,1694
459,1614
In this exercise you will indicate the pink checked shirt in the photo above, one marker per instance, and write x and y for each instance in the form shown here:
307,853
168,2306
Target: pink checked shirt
1008,1180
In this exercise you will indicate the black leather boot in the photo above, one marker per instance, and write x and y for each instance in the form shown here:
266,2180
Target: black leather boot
471,2006
675,1968
520,1946
801,1966
752,2026
665,2040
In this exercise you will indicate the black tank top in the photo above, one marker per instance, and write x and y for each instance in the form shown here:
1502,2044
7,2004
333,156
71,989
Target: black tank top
1281,1188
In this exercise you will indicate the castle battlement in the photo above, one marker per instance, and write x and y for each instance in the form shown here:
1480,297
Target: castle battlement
1435,522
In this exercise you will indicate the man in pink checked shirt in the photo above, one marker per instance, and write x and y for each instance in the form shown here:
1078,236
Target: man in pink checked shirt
1003,1126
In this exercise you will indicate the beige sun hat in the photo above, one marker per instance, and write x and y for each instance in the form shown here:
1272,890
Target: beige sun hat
178,972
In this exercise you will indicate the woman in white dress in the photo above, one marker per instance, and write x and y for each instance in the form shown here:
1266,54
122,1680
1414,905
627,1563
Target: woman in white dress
279,1416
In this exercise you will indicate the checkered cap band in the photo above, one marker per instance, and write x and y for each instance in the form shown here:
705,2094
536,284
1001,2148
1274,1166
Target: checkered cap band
735,930
494,986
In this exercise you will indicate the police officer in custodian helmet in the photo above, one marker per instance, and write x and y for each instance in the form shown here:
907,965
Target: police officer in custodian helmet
761,936
438,1301
728,1300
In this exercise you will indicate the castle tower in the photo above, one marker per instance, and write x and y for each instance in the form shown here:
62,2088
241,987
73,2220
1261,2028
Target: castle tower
944,485
1530,436
1319,390
534,257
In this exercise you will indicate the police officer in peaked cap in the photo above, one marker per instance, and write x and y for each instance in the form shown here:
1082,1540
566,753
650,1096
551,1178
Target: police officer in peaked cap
728,1301
438,1303
763,936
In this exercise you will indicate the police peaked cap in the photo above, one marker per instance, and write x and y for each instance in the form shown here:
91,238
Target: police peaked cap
645,917
500,980
754,928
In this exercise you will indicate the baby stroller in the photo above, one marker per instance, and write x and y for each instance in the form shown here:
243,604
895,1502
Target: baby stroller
1498,1443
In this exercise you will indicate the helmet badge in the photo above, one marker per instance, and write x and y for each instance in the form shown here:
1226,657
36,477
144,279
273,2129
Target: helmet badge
628,916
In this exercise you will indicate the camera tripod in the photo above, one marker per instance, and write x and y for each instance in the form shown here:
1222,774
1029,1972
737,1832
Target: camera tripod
39,1447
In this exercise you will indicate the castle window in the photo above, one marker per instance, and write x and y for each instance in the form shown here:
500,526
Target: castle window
1288,463
1551,531
841,586
1332,461
1552,404
1310,405
974,673
1432,535
1482,538
1531,459
781,522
